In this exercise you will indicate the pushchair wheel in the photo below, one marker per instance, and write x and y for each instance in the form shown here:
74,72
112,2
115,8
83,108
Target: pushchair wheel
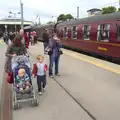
16,106
34,103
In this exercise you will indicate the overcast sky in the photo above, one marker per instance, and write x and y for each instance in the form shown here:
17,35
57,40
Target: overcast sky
48,8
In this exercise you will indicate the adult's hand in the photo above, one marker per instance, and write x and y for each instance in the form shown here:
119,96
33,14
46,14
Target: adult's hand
14,55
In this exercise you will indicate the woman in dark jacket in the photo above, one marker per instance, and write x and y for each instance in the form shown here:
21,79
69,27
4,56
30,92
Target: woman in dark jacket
45,37
16,48
55,45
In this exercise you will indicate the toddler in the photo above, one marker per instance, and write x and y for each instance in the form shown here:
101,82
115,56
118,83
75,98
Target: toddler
39,70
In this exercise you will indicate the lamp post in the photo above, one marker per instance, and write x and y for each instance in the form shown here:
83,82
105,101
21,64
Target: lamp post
38,16
15,18
21,8
77,12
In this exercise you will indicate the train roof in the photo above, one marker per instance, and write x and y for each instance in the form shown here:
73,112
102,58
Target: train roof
48,25
94,9
97,18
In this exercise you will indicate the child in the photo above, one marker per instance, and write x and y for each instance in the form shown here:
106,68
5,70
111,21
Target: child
22,82
39,70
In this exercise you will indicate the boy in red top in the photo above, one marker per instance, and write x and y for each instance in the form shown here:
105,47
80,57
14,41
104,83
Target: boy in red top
39,70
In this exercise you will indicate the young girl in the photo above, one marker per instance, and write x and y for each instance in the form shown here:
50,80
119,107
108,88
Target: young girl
39,70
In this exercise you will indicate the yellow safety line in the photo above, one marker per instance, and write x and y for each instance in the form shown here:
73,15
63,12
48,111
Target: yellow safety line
1,41
92,62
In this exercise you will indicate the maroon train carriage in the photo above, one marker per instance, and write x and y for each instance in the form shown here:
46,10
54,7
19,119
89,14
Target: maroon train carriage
97,34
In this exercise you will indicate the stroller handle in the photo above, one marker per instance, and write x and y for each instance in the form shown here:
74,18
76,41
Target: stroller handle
18,58
27,55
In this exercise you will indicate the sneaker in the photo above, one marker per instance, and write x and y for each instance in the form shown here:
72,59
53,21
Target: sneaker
44,89
57,74
51,76
40,93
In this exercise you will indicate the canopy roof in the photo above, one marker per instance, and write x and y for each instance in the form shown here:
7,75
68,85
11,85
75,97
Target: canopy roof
12,21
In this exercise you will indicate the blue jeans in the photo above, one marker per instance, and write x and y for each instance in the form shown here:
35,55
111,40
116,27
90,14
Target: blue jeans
52,61
6,41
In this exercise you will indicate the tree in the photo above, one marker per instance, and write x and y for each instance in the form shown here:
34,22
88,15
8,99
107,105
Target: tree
69,16
50,22
109,9
63,17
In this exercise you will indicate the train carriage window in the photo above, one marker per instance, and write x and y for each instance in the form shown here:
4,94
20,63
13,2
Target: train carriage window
103,32
118,32
74,32
86,32
65,32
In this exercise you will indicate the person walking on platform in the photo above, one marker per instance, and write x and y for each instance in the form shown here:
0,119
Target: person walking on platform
26,40
45,37
35,39
32,39
6,38
11,36
16,48
55,45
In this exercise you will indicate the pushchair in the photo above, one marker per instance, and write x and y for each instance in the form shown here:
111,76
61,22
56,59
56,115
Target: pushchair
16,63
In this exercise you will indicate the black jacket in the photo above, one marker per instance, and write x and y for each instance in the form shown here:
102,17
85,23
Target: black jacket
45,37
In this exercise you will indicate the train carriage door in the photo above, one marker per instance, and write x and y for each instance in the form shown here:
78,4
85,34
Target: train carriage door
69,33
61,33
74,32
65,32
79,32
118,30
86,32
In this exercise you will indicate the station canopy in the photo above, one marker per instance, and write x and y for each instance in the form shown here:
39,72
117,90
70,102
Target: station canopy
12,21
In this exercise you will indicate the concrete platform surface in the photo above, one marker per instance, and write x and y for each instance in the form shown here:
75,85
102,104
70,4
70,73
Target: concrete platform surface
95,88
54,104
2,61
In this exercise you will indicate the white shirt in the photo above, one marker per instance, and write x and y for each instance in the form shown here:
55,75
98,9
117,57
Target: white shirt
40,68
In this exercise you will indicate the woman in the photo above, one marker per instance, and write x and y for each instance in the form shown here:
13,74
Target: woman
55,45
16,48
45,37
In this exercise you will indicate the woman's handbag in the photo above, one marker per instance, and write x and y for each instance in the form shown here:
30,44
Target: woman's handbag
48,50
61,52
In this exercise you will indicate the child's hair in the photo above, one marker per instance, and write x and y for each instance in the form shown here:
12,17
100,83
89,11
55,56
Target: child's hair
39,57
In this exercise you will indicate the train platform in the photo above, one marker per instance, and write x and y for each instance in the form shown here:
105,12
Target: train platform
88,89
93,84
5,89
2,60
